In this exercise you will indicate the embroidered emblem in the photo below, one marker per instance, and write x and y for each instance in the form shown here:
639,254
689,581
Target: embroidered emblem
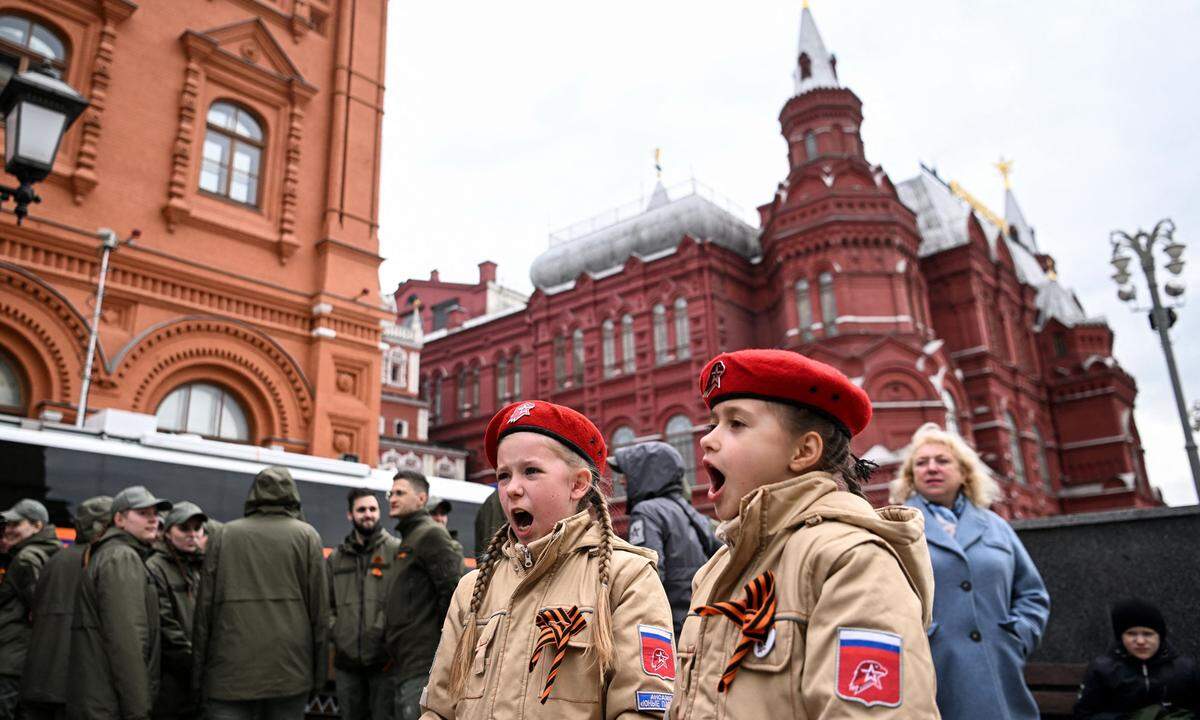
714,378
558,627
377,572
653,701
755,615
868,667
658,652
637,532
520,411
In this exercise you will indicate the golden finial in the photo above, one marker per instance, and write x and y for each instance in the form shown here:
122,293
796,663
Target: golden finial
658,162
805,4
1005,168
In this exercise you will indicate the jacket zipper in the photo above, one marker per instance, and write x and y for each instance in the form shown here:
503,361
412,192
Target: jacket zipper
1146,676
362,603
528,558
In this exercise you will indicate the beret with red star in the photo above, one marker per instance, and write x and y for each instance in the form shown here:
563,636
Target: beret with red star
556,421
787,377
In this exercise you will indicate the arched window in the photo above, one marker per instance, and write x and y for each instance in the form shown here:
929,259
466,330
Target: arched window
462,400
397,368
829,312
621,437
401,428
1014,448
810,145
679,436
577,356
435,400
804,310
1043,462
12,399
516,373
682,335
475,388
805,63
501,380
662,348
608,348
628,352
560,362
26,43
951,412
233,147
204,409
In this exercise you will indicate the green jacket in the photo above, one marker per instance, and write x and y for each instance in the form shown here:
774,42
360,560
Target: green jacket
488,519
263,611
177,579
45,678
116,644
428,570
359,580
28,557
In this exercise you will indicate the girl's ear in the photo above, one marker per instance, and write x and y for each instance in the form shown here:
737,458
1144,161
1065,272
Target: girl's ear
806,452
581,482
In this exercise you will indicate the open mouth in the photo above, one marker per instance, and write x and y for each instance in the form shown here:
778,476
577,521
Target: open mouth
716,478
521,520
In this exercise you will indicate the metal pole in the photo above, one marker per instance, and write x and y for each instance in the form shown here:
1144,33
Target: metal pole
110,243
1160,321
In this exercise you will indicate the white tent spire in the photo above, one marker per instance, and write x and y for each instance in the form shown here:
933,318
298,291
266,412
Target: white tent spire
814,65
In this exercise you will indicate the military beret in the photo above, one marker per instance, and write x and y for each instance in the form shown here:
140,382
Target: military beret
787,377
556,421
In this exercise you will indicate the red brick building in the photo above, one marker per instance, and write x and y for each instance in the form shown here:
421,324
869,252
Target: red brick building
941,309
242,138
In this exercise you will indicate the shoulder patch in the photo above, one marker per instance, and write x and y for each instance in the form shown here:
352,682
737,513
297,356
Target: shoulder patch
658,651
637,532
868,666
653,701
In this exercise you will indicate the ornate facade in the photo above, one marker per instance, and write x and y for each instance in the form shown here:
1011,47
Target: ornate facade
941,309
241,137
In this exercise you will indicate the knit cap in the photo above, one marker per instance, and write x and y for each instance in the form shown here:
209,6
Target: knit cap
1135,612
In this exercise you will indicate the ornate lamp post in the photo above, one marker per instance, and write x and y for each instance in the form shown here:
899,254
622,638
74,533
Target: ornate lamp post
1142,244
37,108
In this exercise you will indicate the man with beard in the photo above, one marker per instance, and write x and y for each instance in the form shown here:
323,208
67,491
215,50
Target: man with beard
361,572
175,567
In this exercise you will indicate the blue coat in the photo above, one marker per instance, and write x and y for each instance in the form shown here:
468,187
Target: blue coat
990,608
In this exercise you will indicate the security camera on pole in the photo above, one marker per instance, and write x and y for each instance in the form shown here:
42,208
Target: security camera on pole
1162,317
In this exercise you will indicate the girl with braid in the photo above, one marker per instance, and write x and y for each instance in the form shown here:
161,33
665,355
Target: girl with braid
817,606
561,619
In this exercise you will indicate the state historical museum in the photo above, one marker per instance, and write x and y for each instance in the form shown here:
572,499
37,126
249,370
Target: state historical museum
941,309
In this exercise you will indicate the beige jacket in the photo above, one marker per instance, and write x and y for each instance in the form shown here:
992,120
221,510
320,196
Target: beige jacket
844,574
563,572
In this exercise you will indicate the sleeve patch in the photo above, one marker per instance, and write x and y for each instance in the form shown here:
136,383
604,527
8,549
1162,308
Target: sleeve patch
868,666
637,532
658,652
653,701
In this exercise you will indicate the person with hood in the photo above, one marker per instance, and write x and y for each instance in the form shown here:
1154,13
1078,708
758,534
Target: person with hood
44,682
1142,676
361,572
991,606
429,565
176,566
262,616
116,642
817,605
660,519
31,542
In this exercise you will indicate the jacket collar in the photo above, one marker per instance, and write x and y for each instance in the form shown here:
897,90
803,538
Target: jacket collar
350,546
970,528
45,536
575,533
116,535
409,522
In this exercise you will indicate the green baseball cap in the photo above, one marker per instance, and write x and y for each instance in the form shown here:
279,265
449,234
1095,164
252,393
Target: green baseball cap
137,498
181,512
26,509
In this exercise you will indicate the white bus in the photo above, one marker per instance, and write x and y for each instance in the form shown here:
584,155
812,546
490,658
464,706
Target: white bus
61,465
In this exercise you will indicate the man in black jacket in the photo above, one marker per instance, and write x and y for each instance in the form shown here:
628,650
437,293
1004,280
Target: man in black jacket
1142,675
663,521
428,569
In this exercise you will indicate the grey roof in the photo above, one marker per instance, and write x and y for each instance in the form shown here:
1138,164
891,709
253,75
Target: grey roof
823,75
647,230
1055,301
1016,219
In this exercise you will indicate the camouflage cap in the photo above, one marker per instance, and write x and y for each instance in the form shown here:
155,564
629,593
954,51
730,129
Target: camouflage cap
438,506
91,516
137,498
26,509
181,512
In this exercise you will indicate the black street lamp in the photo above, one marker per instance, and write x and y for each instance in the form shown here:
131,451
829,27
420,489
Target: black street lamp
37,108
1142,244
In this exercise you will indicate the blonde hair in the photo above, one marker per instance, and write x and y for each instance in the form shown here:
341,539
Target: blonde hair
978,485
602,636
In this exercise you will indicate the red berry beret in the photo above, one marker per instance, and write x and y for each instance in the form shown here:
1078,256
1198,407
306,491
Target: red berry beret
787,377
557,421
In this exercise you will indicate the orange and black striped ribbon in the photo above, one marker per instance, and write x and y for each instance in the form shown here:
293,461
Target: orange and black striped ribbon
558,627
755,615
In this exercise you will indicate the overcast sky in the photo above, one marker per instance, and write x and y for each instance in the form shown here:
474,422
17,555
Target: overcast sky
507,120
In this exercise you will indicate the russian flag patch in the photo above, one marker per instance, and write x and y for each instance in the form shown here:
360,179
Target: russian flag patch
658,652
868,667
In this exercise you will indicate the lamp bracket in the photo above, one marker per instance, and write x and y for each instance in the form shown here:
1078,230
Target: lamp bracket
22,195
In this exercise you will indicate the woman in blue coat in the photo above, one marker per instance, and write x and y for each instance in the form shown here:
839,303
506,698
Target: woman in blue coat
990,605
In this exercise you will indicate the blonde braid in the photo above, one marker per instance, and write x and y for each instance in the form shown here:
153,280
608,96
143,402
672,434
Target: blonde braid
602,638
460,666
